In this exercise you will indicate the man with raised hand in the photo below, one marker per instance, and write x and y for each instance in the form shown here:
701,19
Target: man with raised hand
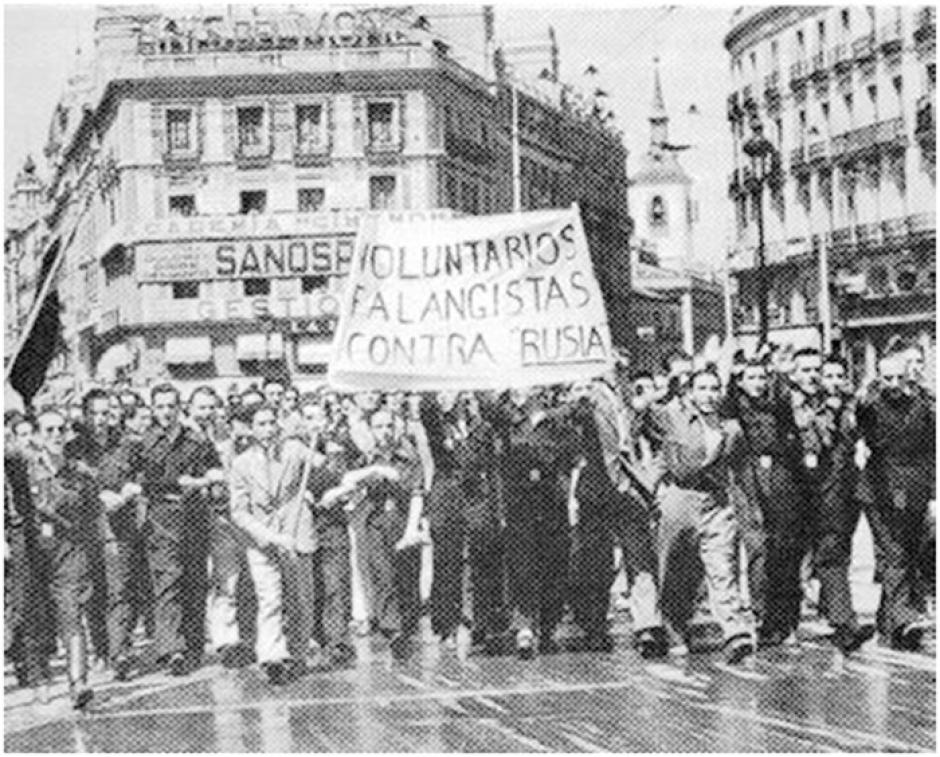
697,527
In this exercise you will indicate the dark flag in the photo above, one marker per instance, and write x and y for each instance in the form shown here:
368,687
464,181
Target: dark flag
43,340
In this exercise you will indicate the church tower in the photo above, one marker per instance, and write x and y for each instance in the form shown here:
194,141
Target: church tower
660,193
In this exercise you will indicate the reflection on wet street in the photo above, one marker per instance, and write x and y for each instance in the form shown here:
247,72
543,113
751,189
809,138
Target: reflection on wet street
785,700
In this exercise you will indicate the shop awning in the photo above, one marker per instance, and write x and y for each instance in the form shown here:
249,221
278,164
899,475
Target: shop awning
259,347
191,350
314,352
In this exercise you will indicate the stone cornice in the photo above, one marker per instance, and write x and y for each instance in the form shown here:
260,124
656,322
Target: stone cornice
766,22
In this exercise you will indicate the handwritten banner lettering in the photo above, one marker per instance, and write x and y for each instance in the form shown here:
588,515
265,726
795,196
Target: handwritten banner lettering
485,302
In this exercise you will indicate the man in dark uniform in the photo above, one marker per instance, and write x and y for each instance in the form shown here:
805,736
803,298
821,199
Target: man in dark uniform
463,511
610,510
125,536
393,506
538,450
63,492
175,467
898,427
837,511
766,468
332,581
96,437
29,624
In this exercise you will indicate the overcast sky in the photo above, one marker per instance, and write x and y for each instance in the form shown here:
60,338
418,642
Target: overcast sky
40,43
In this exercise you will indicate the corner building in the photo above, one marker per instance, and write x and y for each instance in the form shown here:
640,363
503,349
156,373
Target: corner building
847,96
209,174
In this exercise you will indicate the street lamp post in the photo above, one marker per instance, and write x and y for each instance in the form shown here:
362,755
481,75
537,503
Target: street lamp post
762,154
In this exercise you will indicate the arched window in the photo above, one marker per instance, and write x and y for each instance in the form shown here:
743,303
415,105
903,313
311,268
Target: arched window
658,211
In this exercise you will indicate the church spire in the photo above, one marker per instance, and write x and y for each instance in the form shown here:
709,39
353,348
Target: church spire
659,120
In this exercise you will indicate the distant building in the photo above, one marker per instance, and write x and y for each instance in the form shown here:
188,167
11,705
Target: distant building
847,95
208,174
662,255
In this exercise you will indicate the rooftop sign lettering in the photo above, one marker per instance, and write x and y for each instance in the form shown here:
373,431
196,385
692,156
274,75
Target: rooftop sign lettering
333,28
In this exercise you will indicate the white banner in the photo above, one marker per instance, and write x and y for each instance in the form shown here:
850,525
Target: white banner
483,302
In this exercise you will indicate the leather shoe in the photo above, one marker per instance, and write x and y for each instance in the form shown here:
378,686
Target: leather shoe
737,648
849,638
122,668
651,645
178,664
275,672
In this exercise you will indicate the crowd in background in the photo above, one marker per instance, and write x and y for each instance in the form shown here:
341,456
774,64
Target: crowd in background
245,528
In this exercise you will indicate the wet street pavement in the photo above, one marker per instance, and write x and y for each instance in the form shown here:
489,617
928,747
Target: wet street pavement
785,700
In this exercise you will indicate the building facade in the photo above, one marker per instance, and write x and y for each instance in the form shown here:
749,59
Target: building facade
846,95
208,175
675,307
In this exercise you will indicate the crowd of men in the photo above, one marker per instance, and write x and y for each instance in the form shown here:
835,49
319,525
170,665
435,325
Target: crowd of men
221,524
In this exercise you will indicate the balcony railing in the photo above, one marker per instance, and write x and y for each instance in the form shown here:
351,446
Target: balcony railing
180,158
818,66
798,159
798,72
894,230
254,154
818,151
889,38
772,89
886,135
921,223
734,108
868,234
842,237
840,57
863,48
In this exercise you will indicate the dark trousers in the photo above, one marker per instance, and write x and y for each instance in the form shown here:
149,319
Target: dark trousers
537,555
602,525
776,538
899,534
837,515
65,559
28,621
332,581
464,524
395,574
195,556
97,609
124,588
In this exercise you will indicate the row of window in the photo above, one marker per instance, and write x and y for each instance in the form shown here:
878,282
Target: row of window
802,36
191,290
310,128
382,191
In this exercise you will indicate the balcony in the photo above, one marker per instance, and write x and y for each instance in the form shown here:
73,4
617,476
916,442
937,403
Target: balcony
842,237
818,69
863,48
798,161
884,135
798,74
254,154
182,159
772,89
894,230
922,224
868,235
734,108
925,26
840,58
889,38
818,152
312,152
